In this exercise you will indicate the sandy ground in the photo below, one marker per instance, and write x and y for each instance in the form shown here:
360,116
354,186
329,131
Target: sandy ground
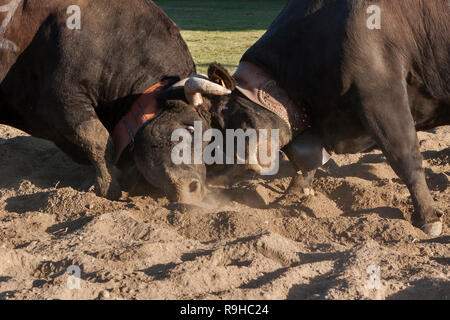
247,242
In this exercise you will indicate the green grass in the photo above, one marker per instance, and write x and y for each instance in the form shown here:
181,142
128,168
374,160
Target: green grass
221,30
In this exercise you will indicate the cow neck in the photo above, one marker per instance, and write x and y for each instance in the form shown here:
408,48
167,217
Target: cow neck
258,86
142,111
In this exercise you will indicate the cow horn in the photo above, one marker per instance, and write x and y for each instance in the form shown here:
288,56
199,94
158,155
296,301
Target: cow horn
181,83
195,87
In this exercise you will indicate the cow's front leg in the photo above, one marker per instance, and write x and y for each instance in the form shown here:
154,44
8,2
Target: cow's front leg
77,122
301,183
386,113
96,142
306,153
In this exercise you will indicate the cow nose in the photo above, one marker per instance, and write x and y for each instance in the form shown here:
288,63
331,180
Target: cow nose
189,191
194,186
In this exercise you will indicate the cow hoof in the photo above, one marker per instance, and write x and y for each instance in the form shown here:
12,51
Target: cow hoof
433,229
114,194
111,191
114,191
301,192
298,189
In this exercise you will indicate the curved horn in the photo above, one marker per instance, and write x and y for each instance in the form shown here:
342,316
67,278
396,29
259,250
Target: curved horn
182,82
195,87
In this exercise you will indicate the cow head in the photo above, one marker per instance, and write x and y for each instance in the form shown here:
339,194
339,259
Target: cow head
183,107
234,112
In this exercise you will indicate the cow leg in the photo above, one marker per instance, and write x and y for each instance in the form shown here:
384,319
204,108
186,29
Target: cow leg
96,142
387,116
301,183
306,153
77,122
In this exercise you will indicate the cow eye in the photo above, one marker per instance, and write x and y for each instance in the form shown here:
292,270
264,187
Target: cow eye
190,129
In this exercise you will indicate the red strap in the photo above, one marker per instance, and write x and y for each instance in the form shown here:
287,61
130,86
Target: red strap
143,110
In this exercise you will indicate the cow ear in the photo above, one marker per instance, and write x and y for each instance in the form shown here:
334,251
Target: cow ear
220,75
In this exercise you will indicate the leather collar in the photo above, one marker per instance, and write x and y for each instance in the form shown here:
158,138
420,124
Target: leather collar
258,86
142,111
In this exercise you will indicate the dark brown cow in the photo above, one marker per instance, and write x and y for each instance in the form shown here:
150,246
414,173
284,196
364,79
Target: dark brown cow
361,87
72,86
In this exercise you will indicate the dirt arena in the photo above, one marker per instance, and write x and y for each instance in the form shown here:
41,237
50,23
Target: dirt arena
247,242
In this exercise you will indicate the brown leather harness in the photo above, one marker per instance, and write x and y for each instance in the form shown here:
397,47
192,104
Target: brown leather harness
142,111
254,83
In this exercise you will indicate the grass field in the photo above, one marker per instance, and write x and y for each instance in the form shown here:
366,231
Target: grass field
218,30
